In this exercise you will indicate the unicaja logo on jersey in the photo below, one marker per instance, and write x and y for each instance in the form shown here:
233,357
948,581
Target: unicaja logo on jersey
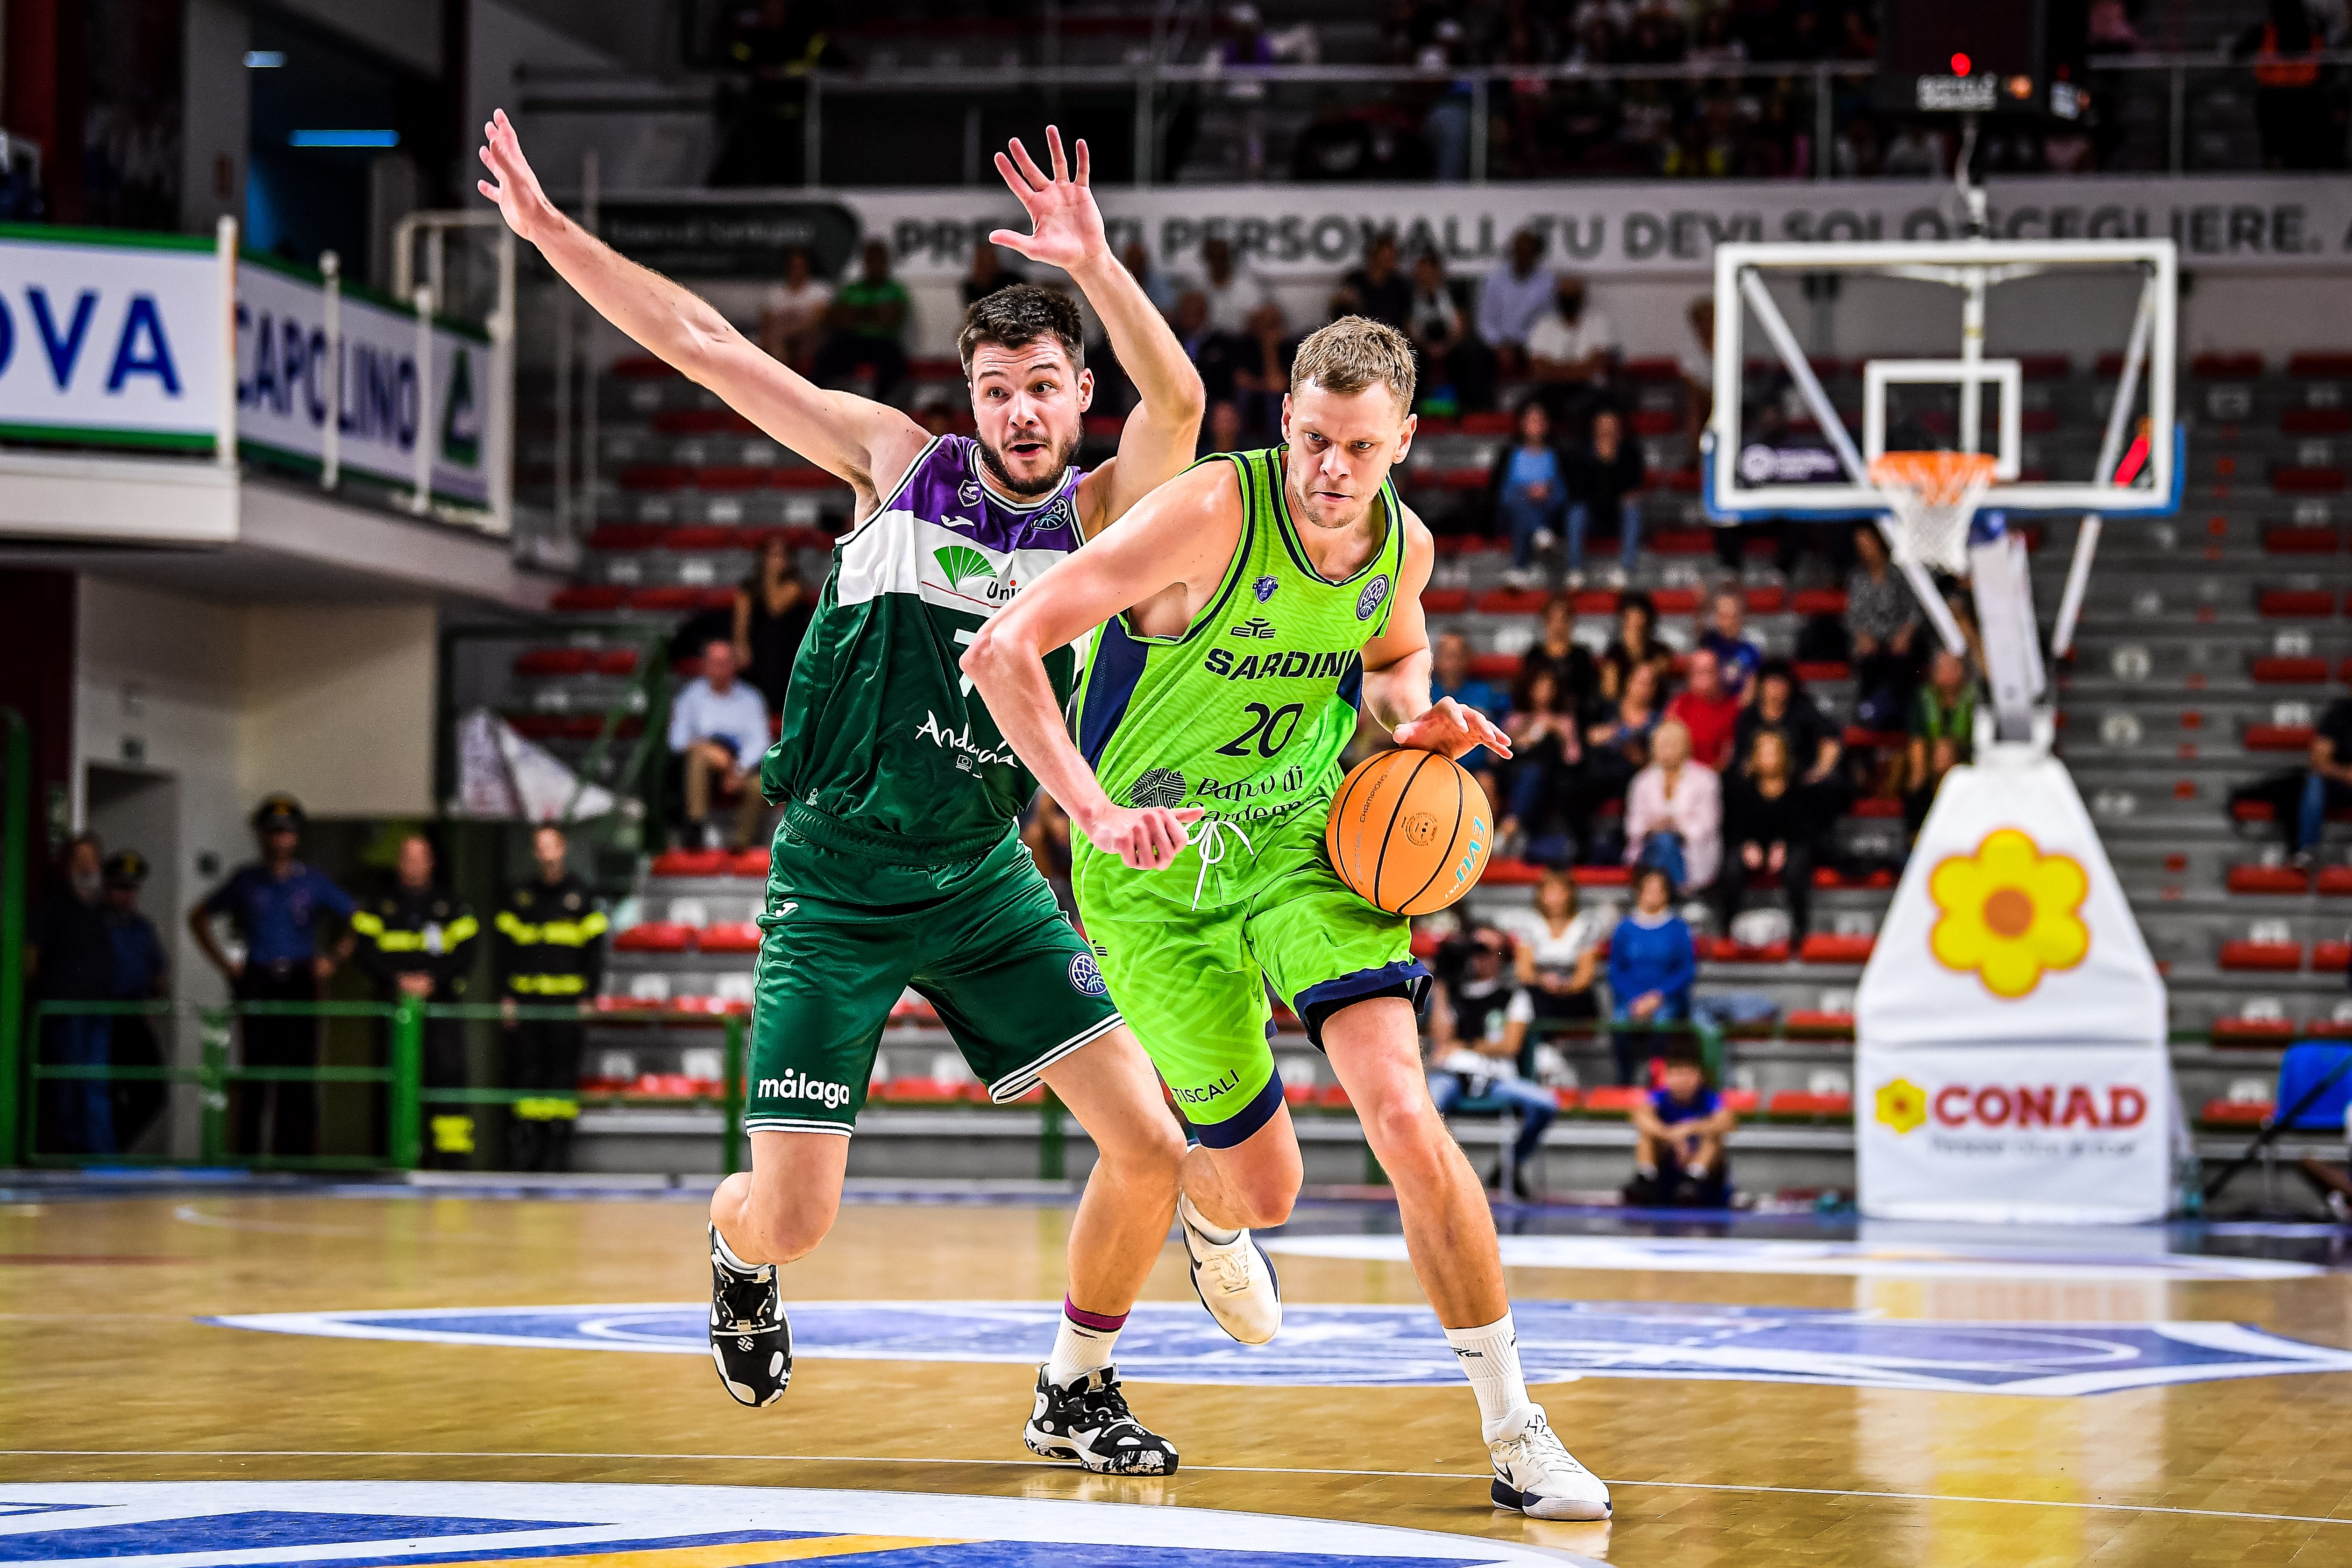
797,1085
1370,600
967,570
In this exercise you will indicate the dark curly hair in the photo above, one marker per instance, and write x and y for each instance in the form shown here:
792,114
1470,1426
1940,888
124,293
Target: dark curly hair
1018,316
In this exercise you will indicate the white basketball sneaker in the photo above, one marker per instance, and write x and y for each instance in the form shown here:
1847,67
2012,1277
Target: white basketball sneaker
1536,1474
1235,1280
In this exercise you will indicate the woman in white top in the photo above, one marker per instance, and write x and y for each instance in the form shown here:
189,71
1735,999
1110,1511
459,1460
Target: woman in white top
791,316
1673,811
1558,952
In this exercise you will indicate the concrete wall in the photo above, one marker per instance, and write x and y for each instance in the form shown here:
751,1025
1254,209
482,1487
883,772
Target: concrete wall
215,120
338,707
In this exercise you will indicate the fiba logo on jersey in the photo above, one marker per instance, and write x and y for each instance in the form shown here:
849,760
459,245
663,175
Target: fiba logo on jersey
1370,600
1085,976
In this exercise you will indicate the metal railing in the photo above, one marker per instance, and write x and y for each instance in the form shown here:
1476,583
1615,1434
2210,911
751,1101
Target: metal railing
1152,86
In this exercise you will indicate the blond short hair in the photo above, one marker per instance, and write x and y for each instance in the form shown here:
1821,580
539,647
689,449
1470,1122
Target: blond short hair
1352,353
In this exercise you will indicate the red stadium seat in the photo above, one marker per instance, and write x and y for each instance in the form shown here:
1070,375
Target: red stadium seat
709,539
2296,602
2268,879
2311,539
1511,873
1724,950
691,863
616,662
1806,1021
736,936
588,598
2282,670
1828,947
1612,1100
655,936
1820,670
2315,421
2316,479
1798,1104
2276,738
702,422
1495,667
2335,881
2261,955
626,536
1820,602
1601,876
2333,958
2320,364
1675,601
2236,1113
1444,601
540,662
749,863
788,477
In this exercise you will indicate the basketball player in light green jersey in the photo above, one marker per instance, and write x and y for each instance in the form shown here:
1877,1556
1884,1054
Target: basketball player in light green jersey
1251,604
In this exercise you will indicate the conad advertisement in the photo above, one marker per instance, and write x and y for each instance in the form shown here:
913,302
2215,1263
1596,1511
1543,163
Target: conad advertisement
117,339
110,337
285,380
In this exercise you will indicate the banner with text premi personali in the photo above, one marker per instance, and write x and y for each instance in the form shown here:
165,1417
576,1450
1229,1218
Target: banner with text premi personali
285,381
1659,227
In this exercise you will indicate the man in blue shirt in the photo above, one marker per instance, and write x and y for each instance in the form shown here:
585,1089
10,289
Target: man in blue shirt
1678,1157
1738,657
719,730
141,969
274,906
1651,963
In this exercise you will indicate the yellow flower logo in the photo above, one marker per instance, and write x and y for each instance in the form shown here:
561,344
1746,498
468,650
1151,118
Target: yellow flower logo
2008,913
1902,1105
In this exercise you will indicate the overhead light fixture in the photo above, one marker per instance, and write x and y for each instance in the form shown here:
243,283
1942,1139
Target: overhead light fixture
342,138
264,59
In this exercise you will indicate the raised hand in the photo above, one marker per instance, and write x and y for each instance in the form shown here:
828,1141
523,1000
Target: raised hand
1069,227
515,189
1450,730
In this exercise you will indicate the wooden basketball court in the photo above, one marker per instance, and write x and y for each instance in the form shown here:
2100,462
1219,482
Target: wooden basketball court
1884,1453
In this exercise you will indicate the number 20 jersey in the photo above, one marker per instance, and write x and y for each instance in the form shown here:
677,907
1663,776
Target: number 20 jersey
1246,712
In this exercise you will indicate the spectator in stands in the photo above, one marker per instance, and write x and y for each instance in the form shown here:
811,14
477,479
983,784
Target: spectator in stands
1222,431
1571,342
1636,642
1157,285
1679,1130
1653,961
274,905
1783,707
2291,101
1736,653
772,608
1943,728
1527,489
718,729
1883,620
1708,713
869,318
1673,811
1570,661
70,958
1603,482
1379,288
792,313
1450,355
990,272
1768,831
142,974
1450,676
1617,747
1217,356
1230,291
1514,295
1261,360
1558,952
1473,1052
1541,817
2301,797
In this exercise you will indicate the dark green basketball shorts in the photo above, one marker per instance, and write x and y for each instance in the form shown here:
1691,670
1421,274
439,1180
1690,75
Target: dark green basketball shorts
846,931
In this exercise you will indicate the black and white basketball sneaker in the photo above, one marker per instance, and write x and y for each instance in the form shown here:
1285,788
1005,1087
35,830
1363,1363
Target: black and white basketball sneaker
1086,1419
1536,1474
749,1340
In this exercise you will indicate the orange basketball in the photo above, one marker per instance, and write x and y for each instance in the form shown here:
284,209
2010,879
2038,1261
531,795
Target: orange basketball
1409,830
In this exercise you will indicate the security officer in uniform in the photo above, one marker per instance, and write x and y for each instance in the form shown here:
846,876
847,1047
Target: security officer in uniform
417,940
548,951
274,905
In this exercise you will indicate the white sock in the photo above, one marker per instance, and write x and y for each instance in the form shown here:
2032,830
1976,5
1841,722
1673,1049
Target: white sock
1490,1360
728,1260
1082,1347
1198,1221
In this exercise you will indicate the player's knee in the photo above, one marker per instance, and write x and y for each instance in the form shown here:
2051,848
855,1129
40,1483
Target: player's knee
1405,1128
1151,1153
1264,1197
786,1233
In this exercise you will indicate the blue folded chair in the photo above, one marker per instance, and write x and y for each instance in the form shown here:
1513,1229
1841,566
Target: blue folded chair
2306,1065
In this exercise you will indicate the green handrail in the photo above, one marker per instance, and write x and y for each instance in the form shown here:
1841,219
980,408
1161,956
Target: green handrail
15,806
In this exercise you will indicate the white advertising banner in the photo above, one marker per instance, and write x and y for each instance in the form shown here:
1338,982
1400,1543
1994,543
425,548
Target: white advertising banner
109,336
2058,1133
1658,227
2012,1024
285,383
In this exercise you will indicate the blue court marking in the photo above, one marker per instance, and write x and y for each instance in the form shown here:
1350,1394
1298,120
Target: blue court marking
1397,1347
243,1531
381,1524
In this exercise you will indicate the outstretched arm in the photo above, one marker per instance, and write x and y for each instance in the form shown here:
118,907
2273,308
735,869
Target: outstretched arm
1184,532
867,444
1157,444
1396,669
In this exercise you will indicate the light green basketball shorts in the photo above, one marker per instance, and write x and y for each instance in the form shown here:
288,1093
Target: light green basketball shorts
1191,980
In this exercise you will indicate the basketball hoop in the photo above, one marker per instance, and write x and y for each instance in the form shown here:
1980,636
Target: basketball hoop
1933,495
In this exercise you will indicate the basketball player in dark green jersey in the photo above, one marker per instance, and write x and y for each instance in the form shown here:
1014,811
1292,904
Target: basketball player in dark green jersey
1252,606
895,863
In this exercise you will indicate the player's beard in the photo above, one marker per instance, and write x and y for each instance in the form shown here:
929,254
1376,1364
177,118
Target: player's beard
1044,485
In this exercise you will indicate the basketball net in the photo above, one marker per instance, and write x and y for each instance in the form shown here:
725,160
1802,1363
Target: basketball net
1933,495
